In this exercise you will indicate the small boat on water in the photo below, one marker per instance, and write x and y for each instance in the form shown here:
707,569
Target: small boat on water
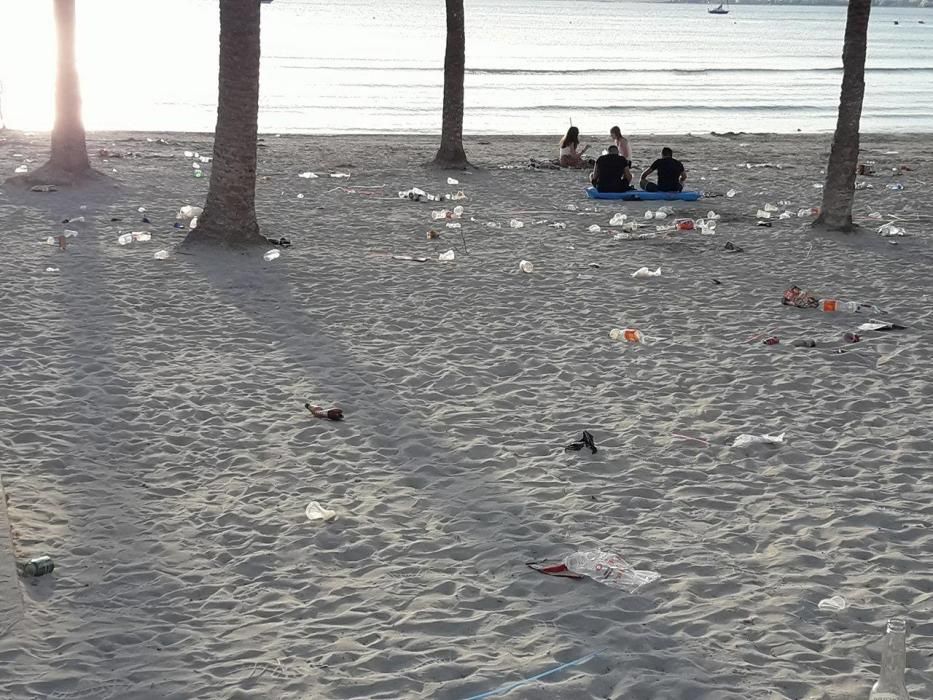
720,10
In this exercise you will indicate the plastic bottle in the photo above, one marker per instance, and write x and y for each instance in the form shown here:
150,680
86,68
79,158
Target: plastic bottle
141,236
831,305
125,238
515,223
440,214
161,255
609,569
617,220
40,566
630,335
594,228
890,684
730,194
649,214
271,255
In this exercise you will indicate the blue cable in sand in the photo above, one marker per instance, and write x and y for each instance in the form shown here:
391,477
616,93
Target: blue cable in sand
502,690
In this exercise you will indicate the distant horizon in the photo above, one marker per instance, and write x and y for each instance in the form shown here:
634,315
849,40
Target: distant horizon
373,69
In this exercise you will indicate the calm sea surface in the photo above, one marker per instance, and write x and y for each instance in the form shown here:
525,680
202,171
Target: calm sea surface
344,66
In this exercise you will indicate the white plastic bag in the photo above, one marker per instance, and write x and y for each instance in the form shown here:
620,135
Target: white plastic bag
643,272
836,603
188,212
315,511
447,257
747,440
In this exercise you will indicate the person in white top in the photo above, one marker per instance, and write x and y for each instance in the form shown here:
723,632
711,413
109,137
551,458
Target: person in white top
570,157
621,142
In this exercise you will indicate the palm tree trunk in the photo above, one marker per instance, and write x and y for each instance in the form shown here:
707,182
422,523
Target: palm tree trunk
839,189
230,210
69,149
451,154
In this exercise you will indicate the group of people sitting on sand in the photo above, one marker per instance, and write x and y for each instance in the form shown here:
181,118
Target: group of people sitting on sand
612,170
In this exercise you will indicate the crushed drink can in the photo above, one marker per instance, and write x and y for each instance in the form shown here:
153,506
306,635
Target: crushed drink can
40,566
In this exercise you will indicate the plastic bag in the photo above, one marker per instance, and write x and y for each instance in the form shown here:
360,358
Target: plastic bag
646,272
746,440
315,511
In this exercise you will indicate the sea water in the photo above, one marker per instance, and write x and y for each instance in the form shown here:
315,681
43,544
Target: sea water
362,66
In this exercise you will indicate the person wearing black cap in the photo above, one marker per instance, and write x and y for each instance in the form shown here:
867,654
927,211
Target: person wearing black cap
611,172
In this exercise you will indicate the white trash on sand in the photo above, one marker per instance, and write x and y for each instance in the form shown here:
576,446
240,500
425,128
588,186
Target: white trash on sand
643,272
747,440
609,569
315,511
188,212
835,604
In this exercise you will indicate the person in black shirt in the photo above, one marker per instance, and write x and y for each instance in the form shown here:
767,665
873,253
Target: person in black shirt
671,174
611,172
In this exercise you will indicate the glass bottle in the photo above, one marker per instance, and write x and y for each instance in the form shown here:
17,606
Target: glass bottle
890,683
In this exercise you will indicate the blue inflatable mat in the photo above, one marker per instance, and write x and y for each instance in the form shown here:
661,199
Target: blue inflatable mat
640,195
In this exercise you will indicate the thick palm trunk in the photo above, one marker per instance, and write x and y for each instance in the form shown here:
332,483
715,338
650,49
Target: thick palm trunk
839,189
451,154
230,210
69,149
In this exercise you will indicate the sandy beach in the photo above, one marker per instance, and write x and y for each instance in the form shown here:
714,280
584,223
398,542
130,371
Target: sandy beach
155,442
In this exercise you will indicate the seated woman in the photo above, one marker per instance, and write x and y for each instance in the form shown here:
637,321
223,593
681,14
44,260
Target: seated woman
625,150
570,157
611,173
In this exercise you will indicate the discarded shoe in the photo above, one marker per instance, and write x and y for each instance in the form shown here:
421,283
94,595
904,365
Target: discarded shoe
586,441
329,414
